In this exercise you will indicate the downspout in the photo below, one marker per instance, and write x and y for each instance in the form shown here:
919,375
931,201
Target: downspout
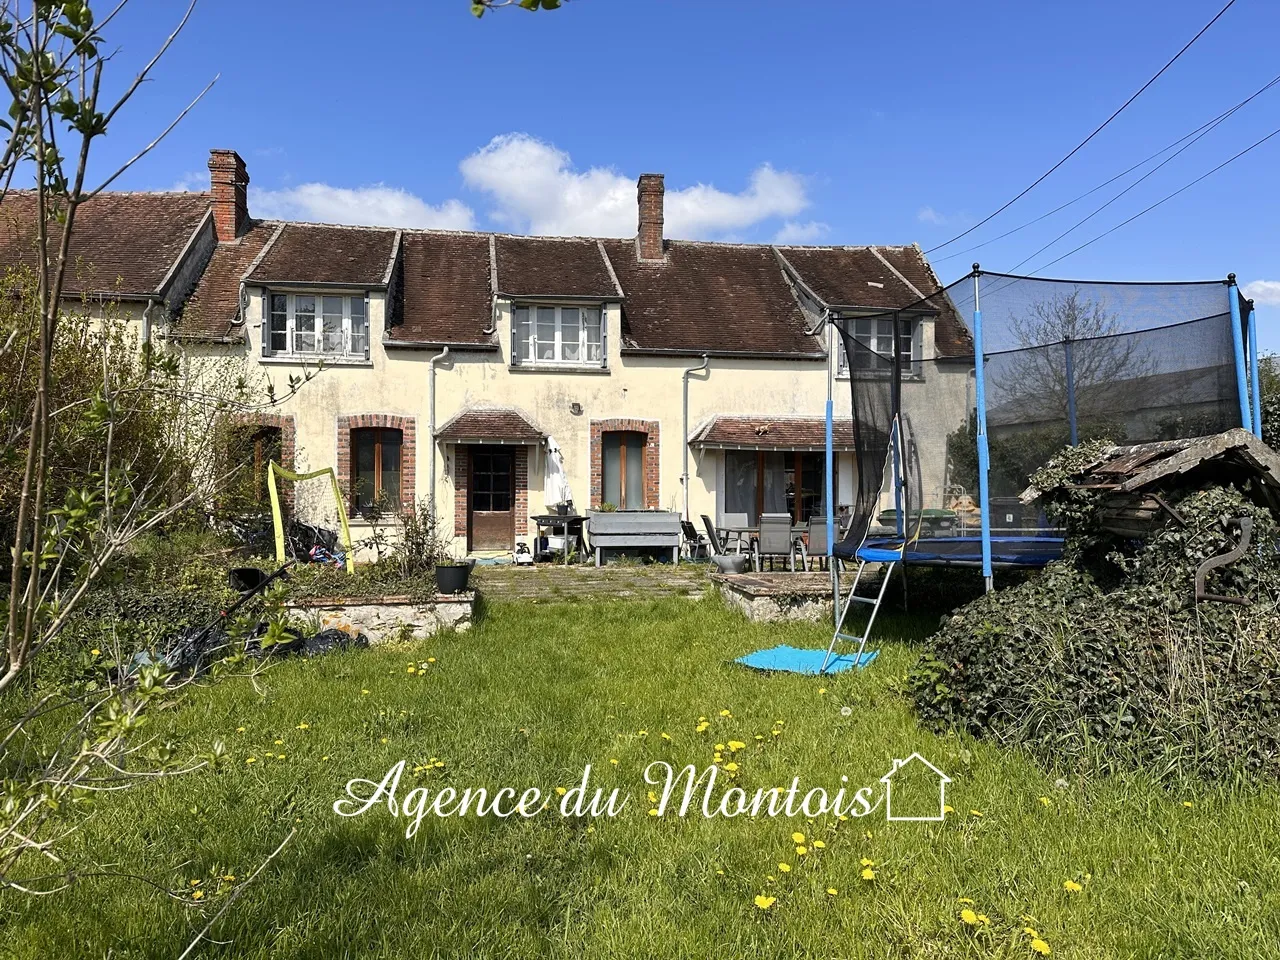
684,382
431,428
146,319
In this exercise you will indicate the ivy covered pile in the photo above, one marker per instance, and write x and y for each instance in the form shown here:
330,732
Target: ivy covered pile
1106,661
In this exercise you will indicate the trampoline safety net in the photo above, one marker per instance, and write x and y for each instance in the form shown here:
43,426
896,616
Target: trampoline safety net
1066,362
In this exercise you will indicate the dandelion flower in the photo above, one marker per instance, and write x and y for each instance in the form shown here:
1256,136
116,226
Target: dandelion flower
325,757
964,900
364,693
763,902
821,691
653,811
948,808
1030,931
198,895
278,742
832,892
735,746
867,834
1040,947
725,713
561,791
818,845
251,760
975,813
784,867
868,873
867,862
797,837
95,652
384,739
230,878
410,669
731,767
431,659
1071,886
239,729
984,920
802,851
614,761
666,736
776,732
304,726
1046,802
1187,803
702,727
969,917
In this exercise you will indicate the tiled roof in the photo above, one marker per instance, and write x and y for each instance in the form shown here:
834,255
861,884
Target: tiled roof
213,310
849,276
490,425
709,297
772,433
548,266
123,243
447,296
318,253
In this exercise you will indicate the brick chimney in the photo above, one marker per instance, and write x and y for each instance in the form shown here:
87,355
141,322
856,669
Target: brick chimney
649,193
229,184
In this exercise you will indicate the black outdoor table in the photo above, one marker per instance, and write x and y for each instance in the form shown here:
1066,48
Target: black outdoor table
570,524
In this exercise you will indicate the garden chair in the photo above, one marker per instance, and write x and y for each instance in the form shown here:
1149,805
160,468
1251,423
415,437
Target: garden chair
775,540
696,545
713,537
738,541
817,545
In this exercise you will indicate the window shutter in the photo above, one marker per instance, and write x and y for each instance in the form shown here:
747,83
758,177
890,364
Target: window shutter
266,323
604,337
515,354
368,327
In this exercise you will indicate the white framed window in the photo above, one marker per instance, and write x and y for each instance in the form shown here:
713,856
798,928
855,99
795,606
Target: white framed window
557,336
317,325
874,354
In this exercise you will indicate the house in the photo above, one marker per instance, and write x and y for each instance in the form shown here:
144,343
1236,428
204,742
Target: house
919,785
451,357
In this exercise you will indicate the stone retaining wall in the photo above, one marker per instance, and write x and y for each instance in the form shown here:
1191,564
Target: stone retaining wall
382,619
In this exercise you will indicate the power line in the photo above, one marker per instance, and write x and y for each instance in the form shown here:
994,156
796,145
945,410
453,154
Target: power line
1206,126
1252,146
1076,149
1081,222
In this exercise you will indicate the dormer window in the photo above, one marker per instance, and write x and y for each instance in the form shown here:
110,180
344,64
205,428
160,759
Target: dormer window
874,336
557,336
317,325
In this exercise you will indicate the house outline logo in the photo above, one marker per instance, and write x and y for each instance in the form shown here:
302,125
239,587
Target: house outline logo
887,780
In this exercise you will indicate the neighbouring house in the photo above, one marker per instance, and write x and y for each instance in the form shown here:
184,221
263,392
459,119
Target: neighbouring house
451,357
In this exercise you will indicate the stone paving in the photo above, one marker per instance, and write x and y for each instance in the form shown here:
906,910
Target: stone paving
547,581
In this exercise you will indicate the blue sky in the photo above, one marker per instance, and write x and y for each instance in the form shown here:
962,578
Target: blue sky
835,123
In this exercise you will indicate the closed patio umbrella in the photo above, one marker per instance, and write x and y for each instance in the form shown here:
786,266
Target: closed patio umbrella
555,486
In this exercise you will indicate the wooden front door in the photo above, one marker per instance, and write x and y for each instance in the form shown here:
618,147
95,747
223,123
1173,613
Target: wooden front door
491,499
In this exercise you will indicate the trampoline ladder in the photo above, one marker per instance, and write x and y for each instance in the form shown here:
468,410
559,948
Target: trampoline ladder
850,600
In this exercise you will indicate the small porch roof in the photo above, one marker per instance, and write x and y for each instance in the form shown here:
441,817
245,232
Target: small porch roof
490,425
771,433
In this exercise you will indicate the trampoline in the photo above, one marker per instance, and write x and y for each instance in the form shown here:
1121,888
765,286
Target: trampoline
957,551
958,398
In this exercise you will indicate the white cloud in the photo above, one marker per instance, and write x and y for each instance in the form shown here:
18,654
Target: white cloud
793,232
191,182
536,189
377,205
930,215
1264,293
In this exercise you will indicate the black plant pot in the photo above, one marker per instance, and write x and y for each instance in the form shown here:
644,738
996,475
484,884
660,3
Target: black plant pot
453,577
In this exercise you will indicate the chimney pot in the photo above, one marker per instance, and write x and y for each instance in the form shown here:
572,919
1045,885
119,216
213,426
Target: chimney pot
649,194
229,185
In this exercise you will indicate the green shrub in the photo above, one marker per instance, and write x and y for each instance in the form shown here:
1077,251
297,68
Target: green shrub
1106,661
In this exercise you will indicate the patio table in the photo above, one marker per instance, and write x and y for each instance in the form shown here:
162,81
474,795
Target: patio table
749,533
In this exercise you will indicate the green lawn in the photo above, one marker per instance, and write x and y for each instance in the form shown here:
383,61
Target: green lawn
538,690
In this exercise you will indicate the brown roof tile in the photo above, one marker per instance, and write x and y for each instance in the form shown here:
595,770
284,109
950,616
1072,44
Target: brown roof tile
849,277
318,253
213,310
709,297
490,425
447,296
552,267
121,242
772,433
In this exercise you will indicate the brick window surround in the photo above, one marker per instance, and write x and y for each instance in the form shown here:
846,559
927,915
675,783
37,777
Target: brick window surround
462,486
652,435
408,450
288,441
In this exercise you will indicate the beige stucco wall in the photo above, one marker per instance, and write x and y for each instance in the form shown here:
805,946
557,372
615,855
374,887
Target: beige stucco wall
395,382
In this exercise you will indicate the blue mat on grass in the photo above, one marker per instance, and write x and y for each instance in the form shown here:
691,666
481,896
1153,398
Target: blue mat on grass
794,660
